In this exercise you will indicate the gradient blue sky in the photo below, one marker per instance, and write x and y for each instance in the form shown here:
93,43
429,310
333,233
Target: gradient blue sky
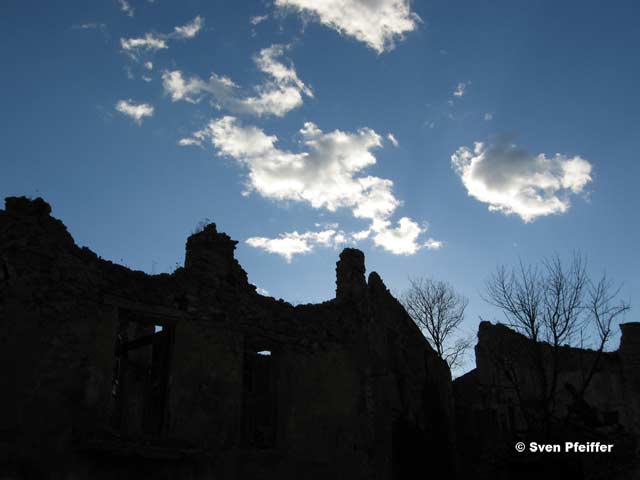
550,77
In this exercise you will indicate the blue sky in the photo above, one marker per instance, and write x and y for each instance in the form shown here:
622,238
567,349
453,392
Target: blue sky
516,125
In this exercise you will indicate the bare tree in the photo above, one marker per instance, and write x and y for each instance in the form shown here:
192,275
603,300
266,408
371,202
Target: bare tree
554,305
438,310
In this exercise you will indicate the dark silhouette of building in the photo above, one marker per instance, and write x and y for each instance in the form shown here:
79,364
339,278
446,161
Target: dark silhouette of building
111,373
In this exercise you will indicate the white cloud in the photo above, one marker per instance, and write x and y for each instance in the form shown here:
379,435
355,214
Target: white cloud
377,23
148,65
152,42
192,89
185,142
323,176
197,138
190,29
126,7
513,181
361,235
402,240
432,244
281,93
488,116
461,89
289,244
258,19
392,139
135,111
328,174
148,43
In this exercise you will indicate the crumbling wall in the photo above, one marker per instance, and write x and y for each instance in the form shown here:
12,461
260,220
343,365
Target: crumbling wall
490,400
356,389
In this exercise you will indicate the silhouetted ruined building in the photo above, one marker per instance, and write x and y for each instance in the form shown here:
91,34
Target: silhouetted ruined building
107,372
490,401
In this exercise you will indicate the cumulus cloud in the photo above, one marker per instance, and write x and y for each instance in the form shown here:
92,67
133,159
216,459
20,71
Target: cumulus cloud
281,93
133,110
151,42
513,181
324,176
377,23
328,174
401,240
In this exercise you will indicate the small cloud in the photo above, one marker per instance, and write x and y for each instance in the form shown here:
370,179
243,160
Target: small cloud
461,89
488,116
187,142
282,91
126,7
392,139
147,43
135,111
432,244
152,42
258,19
401,240
326,226
361,235
263,292
289,244
190,29
148,65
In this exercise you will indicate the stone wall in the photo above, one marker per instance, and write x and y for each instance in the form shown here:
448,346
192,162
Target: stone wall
491,401
349,387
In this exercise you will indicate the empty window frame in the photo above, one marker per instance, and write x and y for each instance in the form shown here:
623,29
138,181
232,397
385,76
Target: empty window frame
141,374
259,394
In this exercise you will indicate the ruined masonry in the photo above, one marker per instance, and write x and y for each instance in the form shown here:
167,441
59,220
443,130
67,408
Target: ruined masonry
113,373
